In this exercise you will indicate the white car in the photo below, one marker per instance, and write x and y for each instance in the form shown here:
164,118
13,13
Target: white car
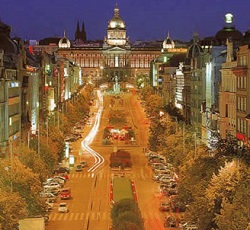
53,179
52,185
63,207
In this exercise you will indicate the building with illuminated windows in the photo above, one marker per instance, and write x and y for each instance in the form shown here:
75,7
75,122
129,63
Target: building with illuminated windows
114,56
10,92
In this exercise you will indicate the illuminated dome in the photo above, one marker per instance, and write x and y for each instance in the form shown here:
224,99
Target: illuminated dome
228,31
116,32
64,42
168,43
116,21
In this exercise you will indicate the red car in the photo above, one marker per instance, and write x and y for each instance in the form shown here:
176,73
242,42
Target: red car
164,206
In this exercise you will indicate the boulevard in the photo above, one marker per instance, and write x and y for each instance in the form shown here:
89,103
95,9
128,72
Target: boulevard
89,208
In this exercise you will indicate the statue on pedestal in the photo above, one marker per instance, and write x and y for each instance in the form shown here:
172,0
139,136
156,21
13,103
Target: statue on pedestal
116,87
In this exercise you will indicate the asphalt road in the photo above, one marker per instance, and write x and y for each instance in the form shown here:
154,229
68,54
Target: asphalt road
89,209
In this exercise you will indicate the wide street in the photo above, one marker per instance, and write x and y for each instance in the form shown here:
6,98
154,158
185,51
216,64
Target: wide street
89,208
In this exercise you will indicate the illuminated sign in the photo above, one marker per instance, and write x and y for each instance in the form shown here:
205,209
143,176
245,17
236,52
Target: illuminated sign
13,100
71,160
30,68
178,50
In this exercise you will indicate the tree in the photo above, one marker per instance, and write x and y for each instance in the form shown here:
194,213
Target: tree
126,215
30,159
222,186
56,139
20,179
12,208
46,150
195,175
153,105
173,111
239,208
146,92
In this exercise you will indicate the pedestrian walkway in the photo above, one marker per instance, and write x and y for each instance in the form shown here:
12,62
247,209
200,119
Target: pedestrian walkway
56,216
76,175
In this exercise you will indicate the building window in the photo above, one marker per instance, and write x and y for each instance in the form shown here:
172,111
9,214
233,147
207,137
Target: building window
116,61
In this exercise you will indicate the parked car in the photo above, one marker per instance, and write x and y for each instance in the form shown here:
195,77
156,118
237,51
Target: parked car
64,175
172,191
162,170
166,180
52,179
70,138
78,168
170,221
65,193
165,206
188,226
157,165
52,185
62,170
51,199
49,207
63,207
47,195
84,163
60,177
54,191
158,176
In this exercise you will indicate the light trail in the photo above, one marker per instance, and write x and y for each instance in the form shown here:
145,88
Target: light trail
99,160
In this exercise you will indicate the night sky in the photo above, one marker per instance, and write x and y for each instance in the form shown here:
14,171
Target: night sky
145,19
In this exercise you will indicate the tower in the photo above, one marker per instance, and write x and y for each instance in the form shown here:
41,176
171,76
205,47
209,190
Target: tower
83,33
116,31
80,35
77,33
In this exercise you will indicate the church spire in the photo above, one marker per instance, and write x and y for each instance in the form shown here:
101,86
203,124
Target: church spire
77,33
83,32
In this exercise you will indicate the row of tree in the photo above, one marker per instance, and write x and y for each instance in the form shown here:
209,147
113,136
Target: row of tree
126,215
213,183
33,161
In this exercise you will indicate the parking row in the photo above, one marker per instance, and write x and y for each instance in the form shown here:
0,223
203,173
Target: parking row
164,174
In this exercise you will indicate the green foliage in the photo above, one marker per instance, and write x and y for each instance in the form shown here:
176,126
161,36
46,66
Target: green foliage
235,206
126,215
122,189
153,105
121,158
117,117
146,92
12,208
173,111
28,185
25,183
30,159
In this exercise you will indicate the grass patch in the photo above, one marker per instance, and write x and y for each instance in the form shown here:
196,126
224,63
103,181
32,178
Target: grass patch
122,189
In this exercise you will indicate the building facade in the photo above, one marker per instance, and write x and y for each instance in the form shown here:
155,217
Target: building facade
114,56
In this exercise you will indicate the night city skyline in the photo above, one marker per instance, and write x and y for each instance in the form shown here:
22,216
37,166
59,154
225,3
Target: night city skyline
145,19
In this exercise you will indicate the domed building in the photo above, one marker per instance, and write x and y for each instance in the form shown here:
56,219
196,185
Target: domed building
64,42
116,31
115,55
228,32
168,43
